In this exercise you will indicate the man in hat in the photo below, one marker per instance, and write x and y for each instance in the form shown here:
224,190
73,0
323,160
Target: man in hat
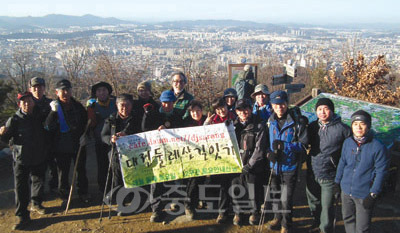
26,134
326,136
99,108
183,98
262,108
361,172
253,143
145,101
67,121
37,87
286,145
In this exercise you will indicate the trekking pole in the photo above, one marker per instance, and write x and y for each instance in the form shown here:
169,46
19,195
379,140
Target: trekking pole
112,187
75,169
335,204
262,219
107,179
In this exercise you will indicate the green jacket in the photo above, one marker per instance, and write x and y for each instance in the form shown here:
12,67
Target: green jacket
181,104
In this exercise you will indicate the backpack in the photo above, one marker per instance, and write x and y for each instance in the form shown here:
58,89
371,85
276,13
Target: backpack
301,123
244,86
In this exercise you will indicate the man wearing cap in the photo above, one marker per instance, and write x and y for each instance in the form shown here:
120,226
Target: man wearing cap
37,87
262,108
26,134
361,172
286,145
99,107
67,121
253,143
145,101
326,136
183,98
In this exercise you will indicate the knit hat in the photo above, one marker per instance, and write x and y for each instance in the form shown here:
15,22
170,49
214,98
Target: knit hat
361,115
327,102
145,85
167,96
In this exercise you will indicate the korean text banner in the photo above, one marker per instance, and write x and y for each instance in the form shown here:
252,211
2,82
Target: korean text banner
172,154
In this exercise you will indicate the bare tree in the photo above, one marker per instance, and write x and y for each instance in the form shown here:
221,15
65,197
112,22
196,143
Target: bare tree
366,81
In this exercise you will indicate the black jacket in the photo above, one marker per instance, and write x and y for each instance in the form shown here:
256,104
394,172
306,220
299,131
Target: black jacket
326,146
130,125
28,137
76,118
253,143
155,118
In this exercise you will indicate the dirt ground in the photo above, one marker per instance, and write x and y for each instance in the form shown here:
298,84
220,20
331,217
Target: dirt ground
85,217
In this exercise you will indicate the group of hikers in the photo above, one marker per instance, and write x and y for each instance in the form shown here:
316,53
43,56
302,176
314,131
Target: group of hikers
274,141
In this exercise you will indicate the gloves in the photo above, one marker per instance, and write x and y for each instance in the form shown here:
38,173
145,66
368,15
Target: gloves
271,156
368,202
148,107
54,105
278,145
83,140
246,169
336,190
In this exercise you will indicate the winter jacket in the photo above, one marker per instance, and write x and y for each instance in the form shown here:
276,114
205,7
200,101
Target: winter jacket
100,113
130,125
189,122
362,168
44,105
155,118
138,105
182,103
253,143
263,113
294,145
217,119
28,137
76,119
326,146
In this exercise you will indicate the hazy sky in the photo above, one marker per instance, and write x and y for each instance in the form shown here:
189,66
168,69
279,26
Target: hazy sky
302,11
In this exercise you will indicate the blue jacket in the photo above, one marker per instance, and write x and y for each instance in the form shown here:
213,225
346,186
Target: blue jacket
362,169
263,112
293,146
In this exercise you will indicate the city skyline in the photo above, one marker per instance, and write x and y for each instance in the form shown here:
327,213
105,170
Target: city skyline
289,11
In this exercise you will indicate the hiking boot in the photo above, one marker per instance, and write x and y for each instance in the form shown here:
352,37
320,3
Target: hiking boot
254,219
22,223
38,208
189,213
156,216
222,218
236,220
274,224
